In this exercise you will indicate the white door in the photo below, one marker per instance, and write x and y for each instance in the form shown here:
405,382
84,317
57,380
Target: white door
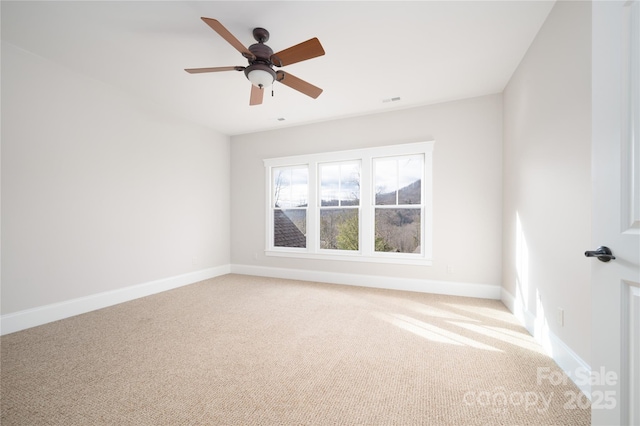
615,363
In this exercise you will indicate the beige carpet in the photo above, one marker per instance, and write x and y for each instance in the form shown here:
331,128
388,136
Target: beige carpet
239,350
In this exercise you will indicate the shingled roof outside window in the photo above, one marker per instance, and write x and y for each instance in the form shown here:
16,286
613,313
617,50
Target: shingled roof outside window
285,232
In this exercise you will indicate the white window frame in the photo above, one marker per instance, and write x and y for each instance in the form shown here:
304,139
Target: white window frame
366,252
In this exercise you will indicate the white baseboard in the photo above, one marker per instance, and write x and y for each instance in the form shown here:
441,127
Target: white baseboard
28,318
563,355
483,291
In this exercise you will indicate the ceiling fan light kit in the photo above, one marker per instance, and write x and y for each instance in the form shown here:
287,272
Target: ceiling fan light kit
261,59
260,75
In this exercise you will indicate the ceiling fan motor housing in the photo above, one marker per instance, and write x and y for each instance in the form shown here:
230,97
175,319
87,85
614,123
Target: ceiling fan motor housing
262,53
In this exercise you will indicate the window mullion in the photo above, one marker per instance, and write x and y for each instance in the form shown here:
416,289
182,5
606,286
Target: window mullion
397,181
366,206
339,185
313,224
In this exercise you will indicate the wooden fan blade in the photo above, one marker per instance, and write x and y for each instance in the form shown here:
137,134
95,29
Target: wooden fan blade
256,95
213,69
298,53
230,38
298,84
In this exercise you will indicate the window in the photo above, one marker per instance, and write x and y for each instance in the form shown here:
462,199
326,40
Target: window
398,203
362,205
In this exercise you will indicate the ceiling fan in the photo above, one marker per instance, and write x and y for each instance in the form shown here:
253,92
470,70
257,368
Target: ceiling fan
262,60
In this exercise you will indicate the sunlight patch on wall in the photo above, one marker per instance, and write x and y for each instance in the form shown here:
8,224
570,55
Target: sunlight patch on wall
522,270
542,326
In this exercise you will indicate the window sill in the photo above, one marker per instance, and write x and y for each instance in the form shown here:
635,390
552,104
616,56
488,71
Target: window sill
403,259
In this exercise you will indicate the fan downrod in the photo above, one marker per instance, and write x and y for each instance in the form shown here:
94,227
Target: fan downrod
261,35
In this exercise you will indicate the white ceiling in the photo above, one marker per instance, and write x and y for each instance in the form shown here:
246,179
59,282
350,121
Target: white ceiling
423,52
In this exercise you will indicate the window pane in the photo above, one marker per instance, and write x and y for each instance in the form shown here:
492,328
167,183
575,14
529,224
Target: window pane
329,185
386,181
290,186
398,180
339,229
398,230
350,184
340,184
410,176
290,228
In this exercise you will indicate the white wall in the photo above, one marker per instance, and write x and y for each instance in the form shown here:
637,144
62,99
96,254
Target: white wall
467,188
101,191
547,182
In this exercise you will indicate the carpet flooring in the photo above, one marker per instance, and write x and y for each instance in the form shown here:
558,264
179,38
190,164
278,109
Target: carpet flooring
242,350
